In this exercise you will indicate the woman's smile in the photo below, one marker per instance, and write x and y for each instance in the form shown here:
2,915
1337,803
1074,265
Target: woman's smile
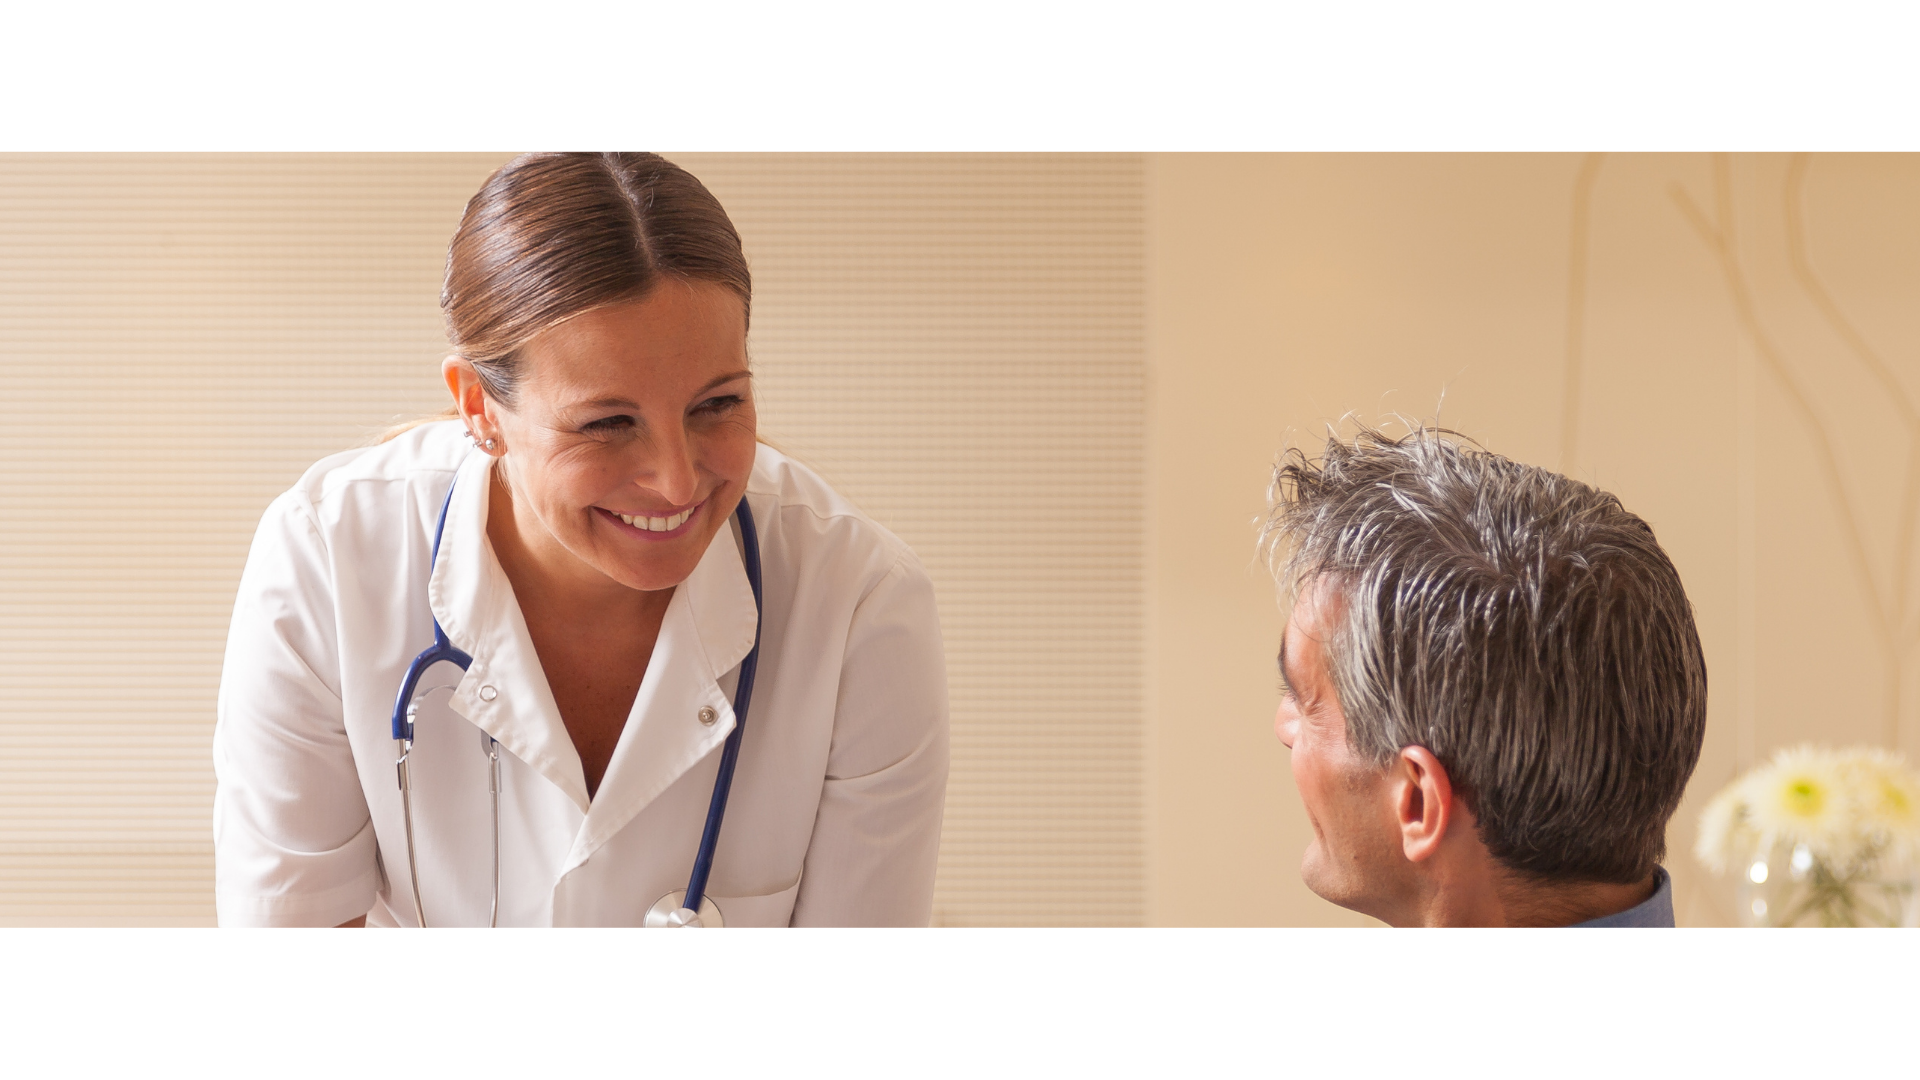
653,527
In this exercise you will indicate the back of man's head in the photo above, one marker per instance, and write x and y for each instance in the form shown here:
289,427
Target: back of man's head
1523,627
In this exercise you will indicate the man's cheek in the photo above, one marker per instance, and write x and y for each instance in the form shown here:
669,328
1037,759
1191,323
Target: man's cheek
1308,780
1297,761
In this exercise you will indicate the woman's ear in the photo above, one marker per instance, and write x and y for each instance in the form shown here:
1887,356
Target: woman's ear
469,396
1423,802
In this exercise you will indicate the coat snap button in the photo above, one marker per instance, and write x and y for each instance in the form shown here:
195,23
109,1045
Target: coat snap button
708,715
488,693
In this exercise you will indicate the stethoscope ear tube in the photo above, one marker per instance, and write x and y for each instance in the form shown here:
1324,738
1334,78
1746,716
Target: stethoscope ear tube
742,697
403,712
441,649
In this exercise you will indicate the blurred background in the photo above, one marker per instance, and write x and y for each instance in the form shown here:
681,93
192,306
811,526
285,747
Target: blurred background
1064,380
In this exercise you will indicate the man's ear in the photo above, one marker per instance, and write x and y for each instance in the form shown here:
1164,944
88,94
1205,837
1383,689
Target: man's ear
1422,801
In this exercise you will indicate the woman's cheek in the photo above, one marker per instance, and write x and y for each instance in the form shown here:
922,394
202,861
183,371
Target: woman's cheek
731,455
566,489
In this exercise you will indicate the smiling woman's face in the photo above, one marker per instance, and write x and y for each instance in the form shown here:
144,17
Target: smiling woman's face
631,436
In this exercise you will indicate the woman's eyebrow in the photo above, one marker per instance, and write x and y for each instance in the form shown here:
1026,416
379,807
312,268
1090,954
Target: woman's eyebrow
717,380
628,403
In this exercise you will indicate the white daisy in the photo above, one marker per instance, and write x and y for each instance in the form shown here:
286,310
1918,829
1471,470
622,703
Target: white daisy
1726,829
1801,798
1888,794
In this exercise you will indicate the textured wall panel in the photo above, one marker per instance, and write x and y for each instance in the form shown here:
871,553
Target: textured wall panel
958,343
180,338
955,341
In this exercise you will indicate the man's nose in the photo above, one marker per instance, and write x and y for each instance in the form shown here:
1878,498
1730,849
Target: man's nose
1285,725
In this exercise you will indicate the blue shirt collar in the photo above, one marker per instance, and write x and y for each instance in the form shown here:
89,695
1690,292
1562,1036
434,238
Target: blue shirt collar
1656,910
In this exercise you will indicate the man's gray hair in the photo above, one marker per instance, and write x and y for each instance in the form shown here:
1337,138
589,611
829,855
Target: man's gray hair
1523,627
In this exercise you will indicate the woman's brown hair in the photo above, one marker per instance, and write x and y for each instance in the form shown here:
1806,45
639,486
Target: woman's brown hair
549,236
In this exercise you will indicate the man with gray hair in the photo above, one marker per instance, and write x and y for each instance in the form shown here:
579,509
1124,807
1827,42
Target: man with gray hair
1494,690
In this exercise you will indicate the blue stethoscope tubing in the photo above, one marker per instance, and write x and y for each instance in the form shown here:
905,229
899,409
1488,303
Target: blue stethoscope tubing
405,706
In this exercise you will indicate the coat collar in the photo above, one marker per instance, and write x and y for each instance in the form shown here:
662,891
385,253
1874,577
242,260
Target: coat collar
708,629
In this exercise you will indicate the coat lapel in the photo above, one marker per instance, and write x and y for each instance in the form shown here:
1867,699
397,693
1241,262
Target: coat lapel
505,692
708,629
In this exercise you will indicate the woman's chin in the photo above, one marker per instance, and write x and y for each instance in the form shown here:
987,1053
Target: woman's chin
657,570
655,575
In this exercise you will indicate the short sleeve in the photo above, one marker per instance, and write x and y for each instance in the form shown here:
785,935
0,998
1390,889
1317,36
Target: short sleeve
293,839
876,839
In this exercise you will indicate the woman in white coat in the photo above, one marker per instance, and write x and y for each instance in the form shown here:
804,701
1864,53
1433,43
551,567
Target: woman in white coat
590,564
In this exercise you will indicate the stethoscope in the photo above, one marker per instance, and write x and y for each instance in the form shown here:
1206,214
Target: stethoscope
693,907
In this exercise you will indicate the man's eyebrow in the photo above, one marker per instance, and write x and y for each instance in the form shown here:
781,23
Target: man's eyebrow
1284,677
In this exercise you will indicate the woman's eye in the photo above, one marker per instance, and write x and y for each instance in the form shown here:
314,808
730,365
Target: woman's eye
722,404
608,425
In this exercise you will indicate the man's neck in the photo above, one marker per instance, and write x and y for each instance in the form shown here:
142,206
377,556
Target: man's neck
1465,886
1535,903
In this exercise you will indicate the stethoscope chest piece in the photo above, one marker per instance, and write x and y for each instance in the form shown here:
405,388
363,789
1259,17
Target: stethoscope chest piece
669,910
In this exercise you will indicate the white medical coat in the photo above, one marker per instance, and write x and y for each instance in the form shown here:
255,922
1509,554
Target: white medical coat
836,802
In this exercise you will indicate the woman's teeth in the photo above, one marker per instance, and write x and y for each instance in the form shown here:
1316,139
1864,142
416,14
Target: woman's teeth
658,524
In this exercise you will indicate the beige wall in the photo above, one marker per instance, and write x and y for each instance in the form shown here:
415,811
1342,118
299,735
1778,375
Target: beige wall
1064,379
1568,311
182,335
956,341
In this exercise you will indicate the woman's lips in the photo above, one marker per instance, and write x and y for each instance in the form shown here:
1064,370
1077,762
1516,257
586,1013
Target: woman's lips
654,528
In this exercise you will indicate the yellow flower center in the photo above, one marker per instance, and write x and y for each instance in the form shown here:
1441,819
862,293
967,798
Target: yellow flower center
1894,799
1804,797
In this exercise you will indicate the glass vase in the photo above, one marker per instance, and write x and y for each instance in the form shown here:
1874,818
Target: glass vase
1788,885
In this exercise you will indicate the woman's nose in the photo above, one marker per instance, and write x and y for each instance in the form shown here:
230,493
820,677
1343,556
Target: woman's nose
670,470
